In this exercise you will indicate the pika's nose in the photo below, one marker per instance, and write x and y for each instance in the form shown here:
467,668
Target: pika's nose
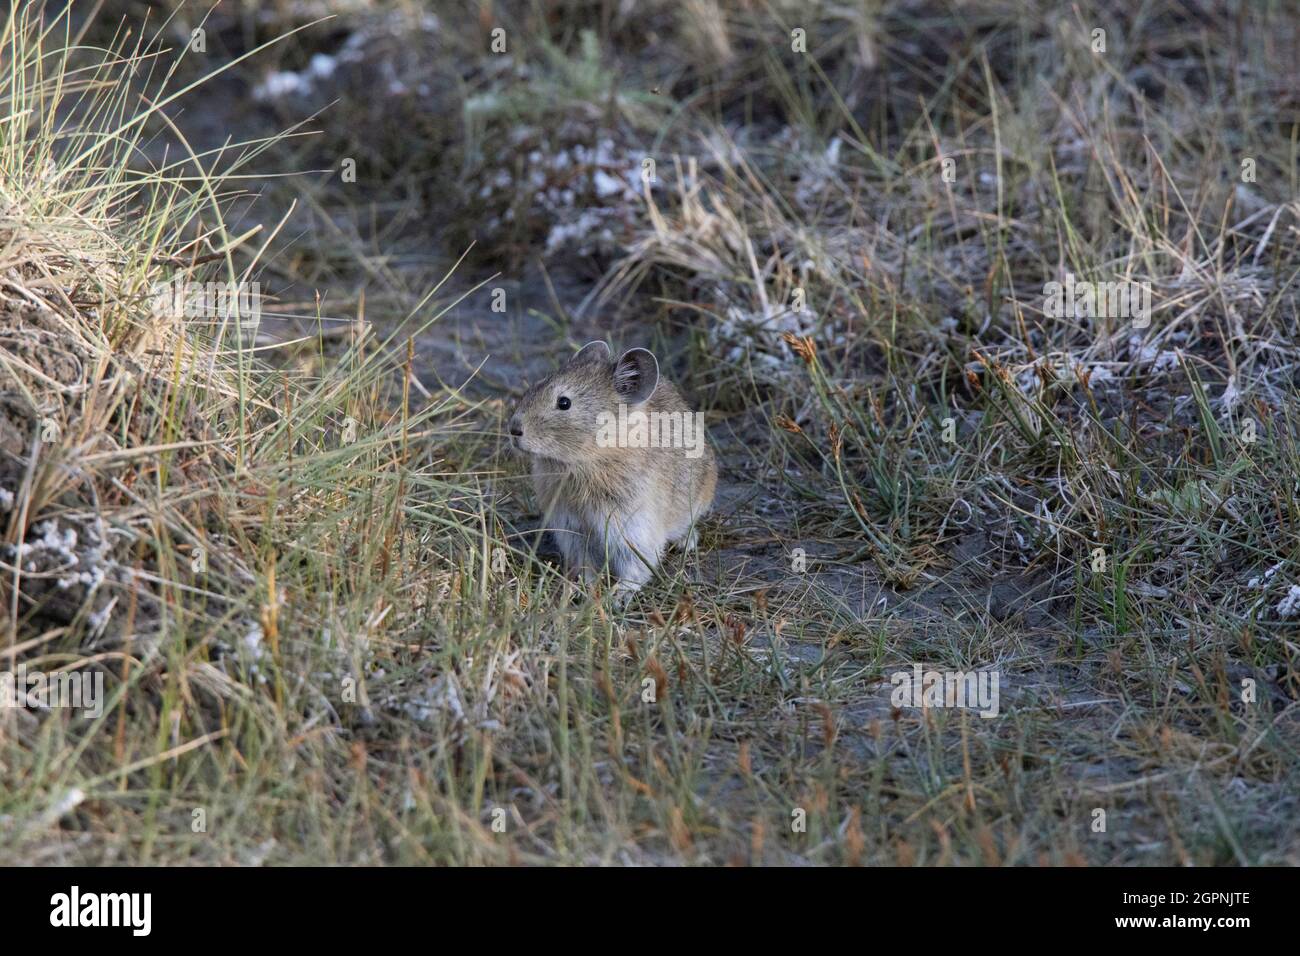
516,427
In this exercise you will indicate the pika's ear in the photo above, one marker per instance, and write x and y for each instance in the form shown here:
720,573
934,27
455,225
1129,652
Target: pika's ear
593,350
636,373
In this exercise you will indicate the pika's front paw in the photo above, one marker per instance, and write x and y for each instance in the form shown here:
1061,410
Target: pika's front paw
623,592
583,575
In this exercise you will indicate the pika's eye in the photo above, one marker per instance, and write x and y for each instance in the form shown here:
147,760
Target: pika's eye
563,403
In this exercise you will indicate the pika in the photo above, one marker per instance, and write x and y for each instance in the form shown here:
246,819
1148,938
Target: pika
621,466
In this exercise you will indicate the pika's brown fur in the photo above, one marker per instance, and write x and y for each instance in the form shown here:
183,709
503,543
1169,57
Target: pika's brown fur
612,503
